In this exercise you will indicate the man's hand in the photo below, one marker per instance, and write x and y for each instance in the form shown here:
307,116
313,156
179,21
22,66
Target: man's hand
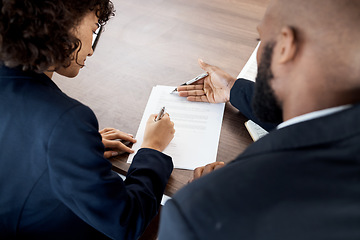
215,88
111,139
202,171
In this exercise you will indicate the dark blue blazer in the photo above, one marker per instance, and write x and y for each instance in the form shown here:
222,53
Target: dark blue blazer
54,181
299,182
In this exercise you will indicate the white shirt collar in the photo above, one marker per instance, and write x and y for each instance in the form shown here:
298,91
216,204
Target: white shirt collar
313,115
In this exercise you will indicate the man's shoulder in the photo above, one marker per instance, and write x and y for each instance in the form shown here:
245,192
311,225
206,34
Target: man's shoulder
267,190
292,171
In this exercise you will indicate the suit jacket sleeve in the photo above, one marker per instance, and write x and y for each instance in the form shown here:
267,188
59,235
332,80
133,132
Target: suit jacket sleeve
83,180
241,96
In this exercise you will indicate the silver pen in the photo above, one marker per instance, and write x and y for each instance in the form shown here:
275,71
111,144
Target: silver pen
161,114
201,76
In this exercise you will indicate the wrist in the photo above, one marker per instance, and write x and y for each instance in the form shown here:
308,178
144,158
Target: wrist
229,86
151,146
231,83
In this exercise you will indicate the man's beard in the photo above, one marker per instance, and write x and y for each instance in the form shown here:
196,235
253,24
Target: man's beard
264,103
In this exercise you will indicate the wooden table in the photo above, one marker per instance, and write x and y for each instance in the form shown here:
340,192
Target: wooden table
158,42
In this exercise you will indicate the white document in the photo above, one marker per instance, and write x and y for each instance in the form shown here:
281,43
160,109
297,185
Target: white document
249,71
197,128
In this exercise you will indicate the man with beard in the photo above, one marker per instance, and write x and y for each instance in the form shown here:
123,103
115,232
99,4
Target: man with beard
302,180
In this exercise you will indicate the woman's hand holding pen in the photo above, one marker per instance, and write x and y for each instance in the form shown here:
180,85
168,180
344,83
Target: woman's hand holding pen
215,88
110,139
158,134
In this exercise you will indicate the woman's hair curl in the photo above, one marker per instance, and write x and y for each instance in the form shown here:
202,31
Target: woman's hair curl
36,34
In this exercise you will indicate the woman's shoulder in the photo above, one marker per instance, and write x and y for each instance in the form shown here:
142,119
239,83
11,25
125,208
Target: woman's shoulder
35,94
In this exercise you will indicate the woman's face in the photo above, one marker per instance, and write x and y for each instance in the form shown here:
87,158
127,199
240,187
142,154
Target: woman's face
84,31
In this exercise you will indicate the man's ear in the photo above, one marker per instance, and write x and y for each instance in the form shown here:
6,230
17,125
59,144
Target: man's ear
287,45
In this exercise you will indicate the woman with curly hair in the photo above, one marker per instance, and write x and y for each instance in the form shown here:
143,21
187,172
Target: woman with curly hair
55,182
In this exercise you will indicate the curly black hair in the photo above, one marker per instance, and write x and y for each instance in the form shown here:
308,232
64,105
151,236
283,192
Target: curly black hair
36,34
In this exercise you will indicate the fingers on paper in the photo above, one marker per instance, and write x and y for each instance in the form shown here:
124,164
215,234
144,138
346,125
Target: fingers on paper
202,98
194,93
192,87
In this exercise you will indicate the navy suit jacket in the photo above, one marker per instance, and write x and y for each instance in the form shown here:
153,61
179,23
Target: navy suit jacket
298,182
54,181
